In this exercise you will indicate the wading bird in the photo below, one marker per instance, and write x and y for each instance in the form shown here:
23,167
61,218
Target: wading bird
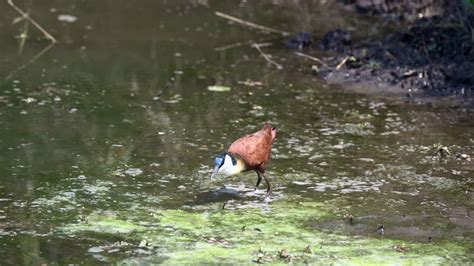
250,152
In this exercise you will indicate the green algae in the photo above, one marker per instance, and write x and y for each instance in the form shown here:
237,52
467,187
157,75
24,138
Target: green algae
102,223
277,232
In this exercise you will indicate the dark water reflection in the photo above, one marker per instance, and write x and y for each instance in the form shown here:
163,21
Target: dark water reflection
82,128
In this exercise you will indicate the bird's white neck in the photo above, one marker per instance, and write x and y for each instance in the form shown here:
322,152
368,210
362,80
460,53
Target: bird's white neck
228,168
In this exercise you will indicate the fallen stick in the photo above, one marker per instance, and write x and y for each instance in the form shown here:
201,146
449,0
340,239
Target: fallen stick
249,42
269,60
311,57
238,44
38,55
45,32
229,46
251,24
38,26
168,85
342,62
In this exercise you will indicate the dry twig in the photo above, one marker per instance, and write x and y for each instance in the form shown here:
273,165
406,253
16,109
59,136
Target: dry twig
342,62
38,26
269,60
251,24
311,58
38,55
45,32
238,44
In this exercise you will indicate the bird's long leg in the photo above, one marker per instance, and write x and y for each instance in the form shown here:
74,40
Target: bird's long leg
269,186
258,180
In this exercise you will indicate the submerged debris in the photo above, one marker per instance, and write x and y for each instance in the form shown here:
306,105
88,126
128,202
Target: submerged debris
351,219
251,83
284,254
299,40
262,257
128,172
463,156
400,248
381,230
307,249
442,151
214,240
95,250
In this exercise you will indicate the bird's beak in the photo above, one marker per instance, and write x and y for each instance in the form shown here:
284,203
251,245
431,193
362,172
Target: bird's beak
215,172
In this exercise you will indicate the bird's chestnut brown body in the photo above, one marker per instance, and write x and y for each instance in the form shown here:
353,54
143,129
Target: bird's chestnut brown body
255,149
250,152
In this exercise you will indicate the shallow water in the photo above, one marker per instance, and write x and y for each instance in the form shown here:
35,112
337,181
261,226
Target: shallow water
102,162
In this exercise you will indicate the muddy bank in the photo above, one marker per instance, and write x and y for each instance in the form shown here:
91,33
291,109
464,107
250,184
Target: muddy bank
408,9
431,57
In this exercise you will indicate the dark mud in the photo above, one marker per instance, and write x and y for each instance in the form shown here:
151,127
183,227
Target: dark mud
432,57
402,8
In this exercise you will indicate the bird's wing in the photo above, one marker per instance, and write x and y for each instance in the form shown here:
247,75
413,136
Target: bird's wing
254,149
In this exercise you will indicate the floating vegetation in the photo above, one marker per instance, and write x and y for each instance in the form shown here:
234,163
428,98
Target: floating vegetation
247,230
101,222
250,234
67,18
218,88
361,129
128,172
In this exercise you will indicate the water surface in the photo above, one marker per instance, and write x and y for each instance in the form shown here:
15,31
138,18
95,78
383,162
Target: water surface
102,161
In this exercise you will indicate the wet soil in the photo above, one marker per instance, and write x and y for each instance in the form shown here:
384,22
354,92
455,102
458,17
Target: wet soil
432,57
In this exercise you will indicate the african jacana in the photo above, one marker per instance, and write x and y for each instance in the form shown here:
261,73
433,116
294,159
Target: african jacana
250,152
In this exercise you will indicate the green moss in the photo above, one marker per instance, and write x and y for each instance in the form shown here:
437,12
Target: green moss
183,219
102,223
263,233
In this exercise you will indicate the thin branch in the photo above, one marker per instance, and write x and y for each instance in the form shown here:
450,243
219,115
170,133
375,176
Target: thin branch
45,32
311,57
243,43
26,16
230,46
432,66
269,60
23,36
262,44
342,62
238,44
251,24
168,85
38,55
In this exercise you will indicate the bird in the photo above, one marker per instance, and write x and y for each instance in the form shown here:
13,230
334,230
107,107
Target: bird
250,152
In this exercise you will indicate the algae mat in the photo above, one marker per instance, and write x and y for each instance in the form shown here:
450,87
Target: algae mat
277,233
